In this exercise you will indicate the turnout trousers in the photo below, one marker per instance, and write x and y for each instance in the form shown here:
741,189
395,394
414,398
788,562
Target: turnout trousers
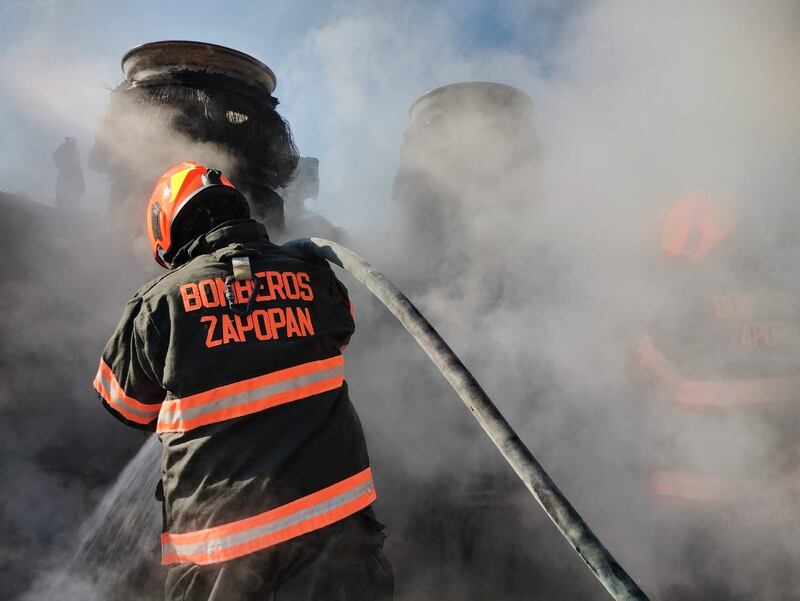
341,562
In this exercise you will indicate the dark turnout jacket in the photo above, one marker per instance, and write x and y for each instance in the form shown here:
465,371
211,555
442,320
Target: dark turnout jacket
260,441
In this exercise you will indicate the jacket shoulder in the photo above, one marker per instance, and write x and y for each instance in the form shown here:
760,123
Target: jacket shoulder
297,253
186,272
152,287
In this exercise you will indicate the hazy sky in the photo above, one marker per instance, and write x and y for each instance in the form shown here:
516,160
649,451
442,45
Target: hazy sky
59,58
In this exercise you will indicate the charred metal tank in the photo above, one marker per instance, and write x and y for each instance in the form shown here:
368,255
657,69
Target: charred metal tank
468,168
472,132
470,153
195,101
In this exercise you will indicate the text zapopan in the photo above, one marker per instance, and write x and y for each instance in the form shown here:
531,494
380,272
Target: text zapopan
261,324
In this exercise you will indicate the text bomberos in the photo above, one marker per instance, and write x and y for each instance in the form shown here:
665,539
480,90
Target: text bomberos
262,324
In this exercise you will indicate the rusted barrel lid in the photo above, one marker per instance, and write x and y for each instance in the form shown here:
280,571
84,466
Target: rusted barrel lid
469,95
156,60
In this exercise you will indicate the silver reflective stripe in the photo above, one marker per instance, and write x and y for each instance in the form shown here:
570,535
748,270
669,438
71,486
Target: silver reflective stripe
215,545
113,393
173,412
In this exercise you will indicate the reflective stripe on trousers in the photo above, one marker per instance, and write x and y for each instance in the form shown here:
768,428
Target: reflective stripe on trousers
246,536
107,386
251,396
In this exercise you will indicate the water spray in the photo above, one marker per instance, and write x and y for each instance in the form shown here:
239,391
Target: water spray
569,522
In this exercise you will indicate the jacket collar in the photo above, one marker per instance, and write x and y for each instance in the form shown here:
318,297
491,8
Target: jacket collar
243,232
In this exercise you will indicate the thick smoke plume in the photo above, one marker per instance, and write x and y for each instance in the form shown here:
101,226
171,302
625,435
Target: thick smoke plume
68,273
547,277
544,279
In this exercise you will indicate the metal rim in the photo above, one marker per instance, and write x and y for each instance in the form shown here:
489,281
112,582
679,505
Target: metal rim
184,52
430,97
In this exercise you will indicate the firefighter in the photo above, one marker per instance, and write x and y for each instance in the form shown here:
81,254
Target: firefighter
722,363
234,358
70,185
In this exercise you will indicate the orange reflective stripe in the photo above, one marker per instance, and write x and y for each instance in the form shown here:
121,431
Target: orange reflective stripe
251,396
693,487
653,361
298,517
733,393
714,394
176,182
110,390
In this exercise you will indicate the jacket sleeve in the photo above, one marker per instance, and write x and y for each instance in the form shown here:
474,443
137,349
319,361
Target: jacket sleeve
126,379
345,310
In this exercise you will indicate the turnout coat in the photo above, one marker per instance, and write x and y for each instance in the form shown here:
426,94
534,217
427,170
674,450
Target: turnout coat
261,443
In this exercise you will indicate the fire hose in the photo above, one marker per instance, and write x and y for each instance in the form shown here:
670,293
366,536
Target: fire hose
571,525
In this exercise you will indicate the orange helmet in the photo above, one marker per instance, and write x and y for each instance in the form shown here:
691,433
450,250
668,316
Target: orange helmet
187,184
694,226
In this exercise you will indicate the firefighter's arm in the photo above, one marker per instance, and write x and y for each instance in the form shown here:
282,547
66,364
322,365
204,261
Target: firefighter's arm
345,310
126,380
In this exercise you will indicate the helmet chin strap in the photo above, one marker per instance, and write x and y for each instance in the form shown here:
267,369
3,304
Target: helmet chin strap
162,256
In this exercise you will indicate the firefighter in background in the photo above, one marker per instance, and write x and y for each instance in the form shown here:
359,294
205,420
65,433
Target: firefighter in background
234,359
722,359
300,221
70,185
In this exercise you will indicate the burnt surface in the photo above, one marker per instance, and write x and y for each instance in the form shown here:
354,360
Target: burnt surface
193,101
59,449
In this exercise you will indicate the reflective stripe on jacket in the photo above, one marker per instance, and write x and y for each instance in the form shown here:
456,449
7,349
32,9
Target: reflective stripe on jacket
713,394
235,539
249,396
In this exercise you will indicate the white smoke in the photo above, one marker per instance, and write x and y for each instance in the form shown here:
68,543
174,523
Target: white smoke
636,105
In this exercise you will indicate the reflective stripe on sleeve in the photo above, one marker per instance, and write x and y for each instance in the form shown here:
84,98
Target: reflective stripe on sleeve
251,396
112,393
242,537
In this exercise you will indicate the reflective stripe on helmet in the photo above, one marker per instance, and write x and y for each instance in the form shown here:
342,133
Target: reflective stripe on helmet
176,182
